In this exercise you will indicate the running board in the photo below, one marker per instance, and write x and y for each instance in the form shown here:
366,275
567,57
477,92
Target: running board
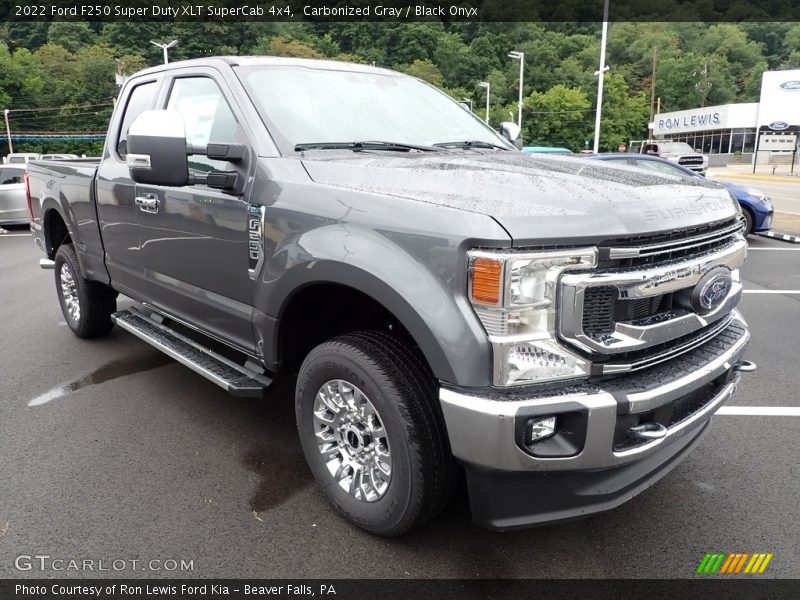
235,379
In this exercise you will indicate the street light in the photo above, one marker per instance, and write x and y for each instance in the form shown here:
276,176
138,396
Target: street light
520,56
488,86
601,73
165,47
8,131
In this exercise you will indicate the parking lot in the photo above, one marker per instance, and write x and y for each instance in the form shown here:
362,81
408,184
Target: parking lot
109,450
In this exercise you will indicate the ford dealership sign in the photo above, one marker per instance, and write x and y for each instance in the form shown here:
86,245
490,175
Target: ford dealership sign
790,86
778,125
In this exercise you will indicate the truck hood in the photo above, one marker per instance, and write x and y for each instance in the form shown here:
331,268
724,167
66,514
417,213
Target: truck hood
537,199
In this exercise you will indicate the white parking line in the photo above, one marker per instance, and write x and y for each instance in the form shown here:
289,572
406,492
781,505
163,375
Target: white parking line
771,291
751,249
760,411
5,235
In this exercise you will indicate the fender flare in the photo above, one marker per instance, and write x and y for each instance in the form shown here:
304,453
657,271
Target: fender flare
440,321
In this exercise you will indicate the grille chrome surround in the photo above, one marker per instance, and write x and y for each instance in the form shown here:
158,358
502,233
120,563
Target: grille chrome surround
729,249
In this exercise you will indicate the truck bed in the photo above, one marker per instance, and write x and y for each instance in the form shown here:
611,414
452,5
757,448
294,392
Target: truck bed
66,187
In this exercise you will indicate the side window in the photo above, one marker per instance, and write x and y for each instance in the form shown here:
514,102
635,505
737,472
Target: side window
206,115
141,98
10,176
652,165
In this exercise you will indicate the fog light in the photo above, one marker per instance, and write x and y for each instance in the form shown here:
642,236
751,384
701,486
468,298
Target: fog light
540,428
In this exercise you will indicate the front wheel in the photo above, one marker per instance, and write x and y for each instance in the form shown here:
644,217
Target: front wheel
748,221
373,433
87,305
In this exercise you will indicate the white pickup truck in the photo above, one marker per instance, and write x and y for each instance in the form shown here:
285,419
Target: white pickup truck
679,152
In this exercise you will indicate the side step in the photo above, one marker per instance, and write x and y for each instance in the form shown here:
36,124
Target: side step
235,379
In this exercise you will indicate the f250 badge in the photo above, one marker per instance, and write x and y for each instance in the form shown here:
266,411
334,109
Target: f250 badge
711,290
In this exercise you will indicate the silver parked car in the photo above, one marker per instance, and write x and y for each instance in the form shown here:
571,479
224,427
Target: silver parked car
13,201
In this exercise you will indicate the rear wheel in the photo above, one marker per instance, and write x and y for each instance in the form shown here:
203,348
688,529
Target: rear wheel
87,305
372,432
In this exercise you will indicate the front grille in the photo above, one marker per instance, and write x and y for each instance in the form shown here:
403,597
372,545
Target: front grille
690,160
623,290
602,309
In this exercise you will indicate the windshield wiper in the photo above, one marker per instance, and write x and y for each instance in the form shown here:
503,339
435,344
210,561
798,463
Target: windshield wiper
470,144
364,145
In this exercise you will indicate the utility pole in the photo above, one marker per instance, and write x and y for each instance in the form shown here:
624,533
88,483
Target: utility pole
703,86
8,132
488,86
601,73
653,86
165,48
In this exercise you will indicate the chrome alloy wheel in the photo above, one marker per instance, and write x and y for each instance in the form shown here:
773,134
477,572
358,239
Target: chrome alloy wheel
352,439
69,291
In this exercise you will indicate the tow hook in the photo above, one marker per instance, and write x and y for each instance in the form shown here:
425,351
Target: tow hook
647,431
744,366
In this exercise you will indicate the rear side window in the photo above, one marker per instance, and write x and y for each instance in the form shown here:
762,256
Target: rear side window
141,98
9,176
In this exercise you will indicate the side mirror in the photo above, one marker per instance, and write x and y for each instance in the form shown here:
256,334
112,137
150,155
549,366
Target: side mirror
510,131
157,149
157,152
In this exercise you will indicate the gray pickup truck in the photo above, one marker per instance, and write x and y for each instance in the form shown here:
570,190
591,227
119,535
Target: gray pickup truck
560,330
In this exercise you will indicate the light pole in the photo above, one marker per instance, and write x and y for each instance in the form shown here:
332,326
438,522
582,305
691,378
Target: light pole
165,47
8,132
601,73
520,56
488,86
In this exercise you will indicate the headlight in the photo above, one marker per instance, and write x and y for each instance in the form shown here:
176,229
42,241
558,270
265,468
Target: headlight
514,295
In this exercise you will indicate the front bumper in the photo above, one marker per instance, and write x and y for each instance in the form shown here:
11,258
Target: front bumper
590,469
763,221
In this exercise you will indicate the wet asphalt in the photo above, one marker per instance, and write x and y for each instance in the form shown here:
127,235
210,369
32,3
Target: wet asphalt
110,451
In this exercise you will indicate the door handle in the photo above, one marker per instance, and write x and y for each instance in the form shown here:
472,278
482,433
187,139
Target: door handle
147,203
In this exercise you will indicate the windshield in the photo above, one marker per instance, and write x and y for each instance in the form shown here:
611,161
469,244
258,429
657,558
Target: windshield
303,105
676,147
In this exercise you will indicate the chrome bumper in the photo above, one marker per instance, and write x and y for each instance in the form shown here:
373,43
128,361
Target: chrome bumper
483,431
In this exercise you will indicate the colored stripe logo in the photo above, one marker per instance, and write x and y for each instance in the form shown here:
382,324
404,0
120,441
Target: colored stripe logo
734,563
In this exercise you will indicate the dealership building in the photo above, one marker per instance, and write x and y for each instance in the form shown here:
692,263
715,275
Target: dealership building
766,131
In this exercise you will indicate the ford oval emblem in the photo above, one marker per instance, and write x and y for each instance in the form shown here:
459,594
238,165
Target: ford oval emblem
790,86
712,290
778,125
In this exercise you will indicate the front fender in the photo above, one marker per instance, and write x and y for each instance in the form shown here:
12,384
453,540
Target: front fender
419,279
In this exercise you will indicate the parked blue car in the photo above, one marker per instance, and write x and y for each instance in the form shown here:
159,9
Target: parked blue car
756,206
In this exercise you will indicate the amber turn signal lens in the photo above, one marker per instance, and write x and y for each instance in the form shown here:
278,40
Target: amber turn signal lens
486,280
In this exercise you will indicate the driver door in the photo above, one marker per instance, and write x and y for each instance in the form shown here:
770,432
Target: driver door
194,243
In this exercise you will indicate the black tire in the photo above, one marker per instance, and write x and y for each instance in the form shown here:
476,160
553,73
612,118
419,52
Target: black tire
96,302
402,389
748,221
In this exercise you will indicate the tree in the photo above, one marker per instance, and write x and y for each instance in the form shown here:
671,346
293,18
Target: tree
425,69
281,46
561,116
71,35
